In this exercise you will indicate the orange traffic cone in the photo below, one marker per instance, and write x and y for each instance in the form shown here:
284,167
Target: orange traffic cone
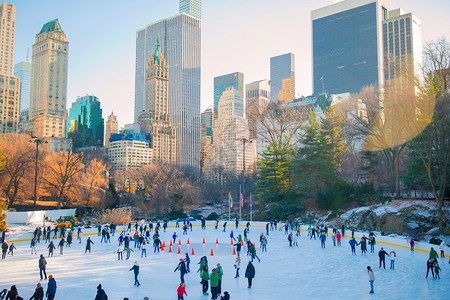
179,242
164,244
212,252
170,249
203,240
242,243
234,251
188,241
217,241
231,243
170,243
192,252
254,246
179,250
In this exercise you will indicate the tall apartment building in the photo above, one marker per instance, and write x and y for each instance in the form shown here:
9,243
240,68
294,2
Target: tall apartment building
85,124
129,150
222,83
227,151
155,120
282,78
180,38
258,98
23,71
347,46
9,84
111,127
49,82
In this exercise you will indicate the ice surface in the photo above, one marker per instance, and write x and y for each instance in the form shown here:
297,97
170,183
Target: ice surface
304,272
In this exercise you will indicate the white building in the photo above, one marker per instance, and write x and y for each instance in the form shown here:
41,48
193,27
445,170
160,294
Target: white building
129,150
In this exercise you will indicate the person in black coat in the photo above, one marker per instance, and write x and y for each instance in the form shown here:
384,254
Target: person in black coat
430,263
42,266
101,295
188,261
38,293
135,268
250,273
382,255
182,268
12,294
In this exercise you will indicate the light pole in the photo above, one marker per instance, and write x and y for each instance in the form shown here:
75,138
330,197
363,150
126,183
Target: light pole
244,141
37,141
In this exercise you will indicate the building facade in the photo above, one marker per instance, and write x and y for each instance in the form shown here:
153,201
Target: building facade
180,38
7,35
347,46
112,126
258,97
23,71
85,124
191,7
129,150
206,126
48,93
282,78
155,120
222,83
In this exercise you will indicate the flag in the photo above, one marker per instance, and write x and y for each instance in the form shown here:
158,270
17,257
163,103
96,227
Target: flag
230,199
321,77
251,203
242,199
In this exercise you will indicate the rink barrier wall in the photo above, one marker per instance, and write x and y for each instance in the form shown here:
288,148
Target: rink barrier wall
385,240
27,217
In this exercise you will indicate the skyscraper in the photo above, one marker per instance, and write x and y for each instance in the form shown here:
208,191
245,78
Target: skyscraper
258,98
9,84
85,125
23,71
347,45
191,7
49,82
180,38
222,83
282,78
155,120
7,31
112,126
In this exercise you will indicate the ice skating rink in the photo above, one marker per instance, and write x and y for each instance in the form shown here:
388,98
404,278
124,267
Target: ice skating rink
304,272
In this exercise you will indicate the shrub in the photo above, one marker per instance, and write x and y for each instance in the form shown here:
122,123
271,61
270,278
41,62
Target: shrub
177,214
284,210
212,216
447,231
435,241
115,215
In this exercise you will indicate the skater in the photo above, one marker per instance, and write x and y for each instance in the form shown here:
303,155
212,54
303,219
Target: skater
250,274
50,248
38,293
232,235
411,243
135,268
264,243
338,238
267,228
363,244
372,243
144,249
343,229
219,271
4,249
120,252
430,265
217,224
101,295
182,268
371,278
436,270
252,252
156,243
226,296
290,239
174,237
99,230
181,291
353,244
204,275
333,238
433,254
237,266
392,256
187,259
11,249
203,221
214,279
51,288
88,245
128,250
237,223
61,246
33,246
442,248
42,266
322,238
13,294
382,256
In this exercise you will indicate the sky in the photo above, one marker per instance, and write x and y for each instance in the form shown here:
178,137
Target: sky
237,35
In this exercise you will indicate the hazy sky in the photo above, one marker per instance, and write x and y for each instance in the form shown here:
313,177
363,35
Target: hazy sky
237,35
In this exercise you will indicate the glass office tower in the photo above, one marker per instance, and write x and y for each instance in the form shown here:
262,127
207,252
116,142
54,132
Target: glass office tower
282,78
222,83
23,70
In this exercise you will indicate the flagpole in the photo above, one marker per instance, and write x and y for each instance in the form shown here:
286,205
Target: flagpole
251,208
240,203
323,88
229,206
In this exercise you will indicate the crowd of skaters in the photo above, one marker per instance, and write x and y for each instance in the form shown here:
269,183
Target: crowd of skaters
141,237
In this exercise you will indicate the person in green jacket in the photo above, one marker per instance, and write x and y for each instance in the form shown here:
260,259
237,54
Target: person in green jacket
214,279
204,275
433,253
220,273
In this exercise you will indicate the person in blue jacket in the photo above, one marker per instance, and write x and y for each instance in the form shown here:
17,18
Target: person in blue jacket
51,288
322,238
353,244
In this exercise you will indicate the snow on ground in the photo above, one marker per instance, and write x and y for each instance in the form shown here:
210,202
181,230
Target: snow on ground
304,272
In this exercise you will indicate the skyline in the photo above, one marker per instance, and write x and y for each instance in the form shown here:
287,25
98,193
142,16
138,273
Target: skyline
233,40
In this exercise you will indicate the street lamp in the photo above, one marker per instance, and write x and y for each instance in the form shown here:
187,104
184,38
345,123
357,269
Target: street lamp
37,141
244,141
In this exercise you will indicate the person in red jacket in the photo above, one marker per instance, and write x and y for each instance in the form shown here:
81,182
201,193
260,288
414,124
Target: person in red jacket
181,291
338,237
